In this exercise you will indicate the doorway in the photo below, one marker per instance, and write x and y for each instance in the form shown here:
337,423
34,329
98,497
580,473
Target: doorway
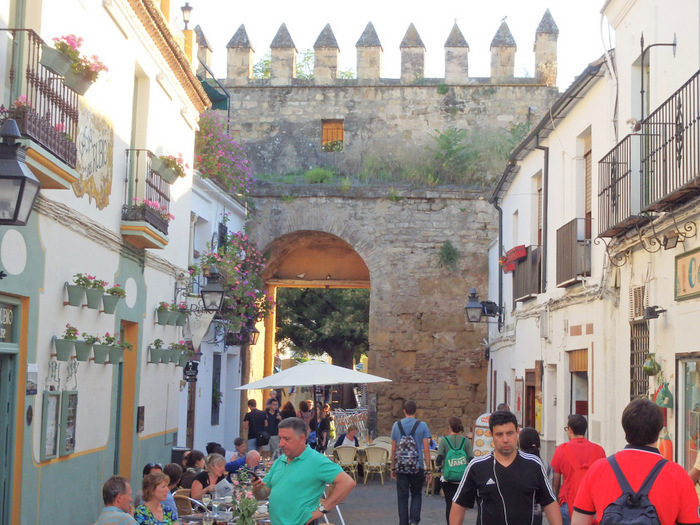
9,350
530,388
578,370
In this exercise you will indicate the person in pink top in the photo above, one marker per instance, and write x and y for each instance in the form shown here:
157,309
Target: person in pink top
571,460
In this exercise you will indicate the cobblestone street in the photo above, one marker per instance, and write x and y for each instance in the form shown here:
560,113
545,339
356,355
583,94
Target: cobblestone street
374,504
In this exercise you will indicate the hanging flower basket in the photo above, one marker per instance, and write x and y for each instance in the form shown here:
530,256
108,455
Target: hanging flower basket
82,350
54,60
182,360
109,303
64,348
94,298
162,317
166,356
162,169
76,294
78,82
517,253
101,352
181,320
173,317
156,354
115,354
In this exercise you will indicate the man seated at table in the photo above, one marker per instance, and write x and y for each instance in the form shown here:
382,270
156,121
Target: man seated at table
298,478
249,462
116,494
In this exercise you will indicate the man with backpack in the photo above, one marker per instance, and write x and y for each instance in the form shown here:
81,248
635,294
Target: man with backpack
572,460
637,485
410,441
454,454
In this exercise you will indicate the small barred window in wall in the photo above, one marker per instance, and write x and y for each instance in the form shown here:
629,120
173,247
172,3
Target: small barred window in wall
332,135
216,389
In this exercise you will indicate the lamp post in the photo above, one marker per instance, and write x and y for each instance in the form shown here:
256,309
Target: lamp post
186,12
474,308
18,185
212,294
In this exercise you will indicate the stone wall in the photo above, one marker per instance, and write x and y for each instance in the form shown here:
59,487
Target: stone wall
418,334
281,126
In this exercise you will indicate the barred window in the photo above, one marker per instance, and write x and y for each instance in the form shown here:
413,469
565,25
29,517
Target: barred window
639,347
216,389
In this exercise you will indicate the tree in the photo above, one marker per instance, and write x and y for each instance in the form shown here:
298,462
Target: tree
319,321
305,66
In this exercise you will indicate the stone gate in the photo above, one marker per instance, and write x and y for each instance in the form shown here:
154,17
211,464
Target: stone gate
391,240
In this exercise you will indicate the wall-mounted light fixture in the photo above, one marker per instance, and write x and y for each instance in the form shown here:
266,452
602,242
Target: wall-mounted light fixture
186,12
670,240
212,295
18,185
652,312
476,309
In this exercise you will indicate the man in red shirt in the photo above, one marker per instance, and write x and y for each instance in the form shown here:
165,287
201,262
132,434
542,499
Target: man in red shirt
572,460
672,494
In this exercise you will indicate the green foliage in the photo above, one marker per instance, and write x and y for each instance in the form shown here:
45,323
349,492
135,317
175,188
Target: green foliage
394,195
442,88
318,176
261,69
346,184
450,153
347,73
287,198
305,64
449,255
320,321
332,146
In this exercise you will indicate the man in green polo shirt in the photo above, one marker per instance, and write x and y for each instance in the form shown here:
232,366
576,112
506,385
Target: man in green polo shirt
297,479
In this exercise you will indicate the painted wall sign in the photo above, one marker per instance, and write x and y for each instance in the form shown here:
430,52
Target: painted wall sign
95,156
7,314
687,275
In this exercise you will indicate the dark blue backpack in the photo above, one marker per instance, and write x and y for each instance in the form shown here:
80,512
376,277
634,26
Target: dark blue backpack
632,508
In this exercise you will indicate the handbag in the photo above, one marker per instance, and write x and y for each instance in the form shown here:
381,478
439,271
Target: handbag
263,438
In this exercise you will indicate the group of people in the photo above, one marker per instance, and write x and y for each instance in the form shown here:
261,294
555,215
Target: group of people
262,426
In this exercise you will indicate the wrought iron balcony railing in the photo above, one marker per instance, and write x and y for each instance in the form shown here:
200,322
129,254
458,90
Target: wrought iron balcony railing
146,194
45,110
655,168
527,275
573,251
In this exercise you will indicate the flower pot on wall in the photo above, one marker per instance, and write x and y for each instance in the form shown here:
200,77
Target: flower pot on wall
94,299
162,317
109,303
78,82
82,350
76,294
64,348
162,169
115,354
181,320
173,317
156,354
101,352
55,61
182,360
167,356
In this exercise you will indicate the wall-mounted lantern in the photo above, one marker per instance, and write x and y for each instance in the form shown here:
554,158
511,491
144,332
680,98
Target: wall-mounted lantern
18,185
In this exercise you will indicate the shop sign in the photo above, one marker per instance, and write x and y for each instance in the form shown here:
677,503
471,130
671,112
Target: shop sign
687,275
7,315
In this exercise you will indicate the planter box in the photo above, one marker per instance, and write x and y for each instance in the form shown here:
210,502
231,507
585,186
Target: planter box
101,352
517,253
162,317
110,302
55,61
77,82
64,348
509,267
115,355
76,294
162,169
94,298
173,317
181,320
82,350
182,360
156,354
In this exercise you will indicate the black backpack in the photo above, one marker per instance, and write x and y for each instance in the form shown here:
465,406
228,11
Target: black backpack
632,508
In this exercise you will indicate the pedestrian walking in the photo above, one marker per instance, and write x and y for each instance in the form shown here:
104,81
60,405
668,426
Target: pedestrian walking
669,495
410,453
118,510
529,441
298,478
506,483
272,419
254,423
572,460
454,453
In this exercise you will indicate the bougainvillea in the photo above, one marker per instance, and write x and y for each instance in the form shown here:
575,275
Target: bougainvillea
219,157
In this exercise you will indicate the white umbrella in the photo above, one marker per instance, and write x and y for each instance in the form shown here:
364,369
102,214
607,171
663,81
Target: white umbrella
312,373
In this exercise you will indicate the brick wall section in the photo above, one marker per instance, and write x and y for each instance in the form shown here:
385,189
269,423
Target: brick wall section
418,333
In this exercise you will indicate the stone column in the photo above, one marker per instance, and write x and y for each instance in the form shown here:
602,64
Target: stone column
239,65
326,53
456,58
203,53
283,63
546,50
369,54
412,56
503,49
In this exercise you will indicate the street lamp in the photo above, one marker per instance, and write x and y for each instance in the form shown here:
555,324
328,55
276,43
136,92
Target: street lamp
186,12
474,308
18,185
212,294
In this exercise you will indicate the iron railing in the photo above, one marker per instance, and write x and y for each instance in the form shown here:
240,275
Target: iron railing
44,108
655,168
573,251
146,194
527,275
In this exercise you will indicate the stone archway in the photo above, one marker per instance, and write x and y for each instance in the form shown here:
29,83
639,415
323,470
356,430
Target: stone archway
418,335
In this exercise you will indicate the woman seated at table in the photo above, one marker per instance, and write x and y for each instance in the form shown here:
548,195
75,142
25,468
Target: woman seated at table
348,439
205,481
195,464
152,511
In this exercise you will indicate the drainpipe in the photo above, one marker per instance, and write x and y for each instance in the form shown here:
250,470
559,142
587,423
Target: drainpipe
500,272
545,206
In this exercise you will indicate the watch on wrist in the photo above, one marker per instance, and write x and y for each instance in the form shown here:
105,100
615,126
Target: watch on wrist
322,509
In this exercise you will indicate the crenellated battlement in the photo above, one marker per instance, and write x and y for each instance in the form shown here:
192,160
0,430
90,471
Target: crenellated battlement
369,58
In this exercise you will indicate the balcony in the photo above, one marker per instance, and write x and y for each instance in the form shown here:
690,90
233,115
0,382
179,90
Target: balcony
657,168
527,275
573,251
46,111
146,210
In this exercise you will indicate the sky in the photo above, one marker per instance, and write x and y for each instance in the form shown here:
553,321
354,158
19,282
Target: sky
579,22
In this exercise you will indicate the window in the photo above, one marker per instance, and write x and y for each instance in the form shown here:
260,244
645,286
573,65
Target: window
639,347
332,135
216,389
588,164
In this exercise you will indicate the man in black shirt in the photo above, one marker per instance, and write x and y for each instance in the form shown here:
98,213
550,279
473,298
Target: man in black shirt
272,419
254,423
506,483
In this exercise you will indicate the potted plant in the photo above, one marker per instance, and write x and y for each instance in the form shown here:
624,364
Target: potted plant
174,314
162,313
111,298
156,351
83,73
84,347
183,352
95,292
184,313
59,58
76,291
65,346
244,506
169,167
116,348
100,351
208,260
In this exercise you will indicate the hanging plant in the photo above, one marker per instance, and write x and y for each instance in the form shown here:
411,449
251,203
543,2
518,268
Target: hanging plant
651,367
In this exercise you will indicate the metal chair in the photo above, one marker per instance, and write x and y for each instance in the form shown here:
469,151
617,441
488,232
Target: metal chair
375,462
346,457
185,504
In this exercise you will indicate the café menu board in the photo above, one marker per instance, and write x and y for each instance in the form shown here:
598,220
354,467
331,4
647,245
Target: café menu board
7,318
483,442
